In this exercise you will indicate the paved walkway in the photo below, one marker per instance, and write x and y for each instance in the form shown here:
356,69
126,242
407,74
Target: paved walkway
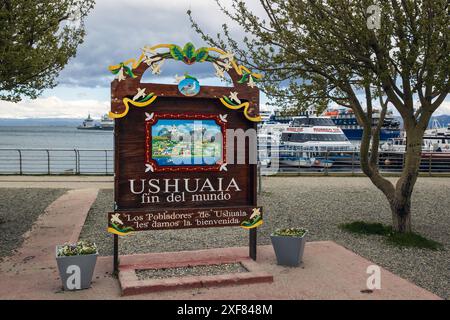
330,271
63,182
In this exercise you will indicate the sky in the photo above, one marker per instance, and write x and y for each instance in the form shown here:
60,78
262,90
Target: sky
116,31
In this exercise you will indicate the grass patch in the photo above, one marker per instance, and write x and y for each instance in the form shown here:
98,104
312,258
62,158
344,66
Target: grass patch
413,240
361,227
403,240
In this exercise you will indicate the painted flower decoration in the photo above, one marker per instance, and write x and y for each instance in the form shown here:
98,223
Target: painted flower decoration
234,97
140,93
121,70
222,63
225,65
251,82
219,71
248,78
151,60
156,67
188,54
120,75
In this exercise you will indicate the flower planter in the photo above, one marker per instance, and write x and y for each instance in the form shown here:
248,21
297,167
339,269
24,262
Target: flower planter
288,249
76,271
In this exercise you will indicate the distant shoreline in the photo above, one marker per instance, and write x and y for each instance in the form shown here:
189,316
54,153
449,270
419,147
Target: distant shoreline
444,120
41,122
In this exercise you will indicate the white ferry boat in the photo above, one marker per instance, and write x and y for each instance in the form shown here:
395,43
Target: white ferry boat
272,130
438,130
314,142
433,141
106,123
88,124
269,135
435,153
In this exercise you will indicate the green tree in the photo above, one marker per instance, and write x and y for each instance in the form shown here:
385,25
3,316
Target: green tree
37,39
314,52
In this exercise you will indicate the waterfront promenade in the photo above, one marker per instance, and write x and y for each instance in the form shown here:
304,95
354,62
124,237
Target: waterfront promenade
318,203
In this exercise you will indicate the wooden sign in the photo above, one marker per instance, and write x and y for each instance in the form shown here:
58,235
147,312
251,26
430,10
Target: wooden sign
176,146
127,221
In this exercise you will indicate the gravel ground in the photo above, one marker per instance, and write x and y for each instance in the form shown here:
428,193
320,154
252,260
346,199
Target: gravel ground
203,270
319,204
19,209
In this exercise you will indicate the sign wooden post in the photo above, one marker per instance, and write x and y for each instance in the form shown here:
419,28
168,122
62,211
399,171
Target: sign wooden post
185,154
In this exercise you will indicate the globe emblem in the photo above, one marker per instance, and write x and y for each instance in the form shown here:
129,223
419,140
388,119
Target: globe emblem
189,86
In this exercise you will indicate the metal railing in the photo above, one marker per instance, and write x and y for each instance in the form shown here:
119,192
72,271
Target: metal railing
56,161
271,160
275,160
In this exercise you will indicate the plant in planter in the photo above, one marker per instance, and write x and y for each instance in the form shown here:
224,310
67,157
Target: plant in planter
289,245
76,263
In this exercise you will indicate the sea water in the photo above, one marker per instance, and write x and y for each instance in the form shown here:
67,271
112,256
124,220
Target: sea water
94,150
54,137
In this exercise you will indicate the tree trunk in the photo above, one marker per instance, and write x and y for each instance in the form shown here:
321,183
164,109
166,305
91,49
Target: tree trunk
398,195
400,201
401,214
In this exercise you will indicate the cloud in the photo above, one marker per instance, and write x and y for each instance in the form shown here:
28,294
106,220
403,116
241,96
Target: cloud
116,32
53,107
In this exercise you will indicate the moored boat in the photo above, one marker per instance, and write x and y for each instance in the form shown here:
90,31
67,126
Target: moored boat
435,153
313,141
346,120
88,124
106,123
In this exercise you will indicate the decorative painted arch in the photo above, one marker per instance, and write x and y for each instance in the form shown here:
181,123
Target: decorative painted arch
127,88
